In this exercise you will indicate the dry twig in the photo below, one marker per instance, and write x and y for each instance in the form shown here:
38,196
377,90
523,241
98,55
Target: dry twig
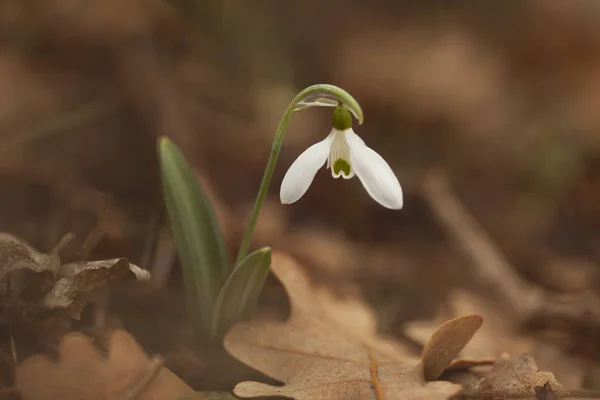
489,263
527,302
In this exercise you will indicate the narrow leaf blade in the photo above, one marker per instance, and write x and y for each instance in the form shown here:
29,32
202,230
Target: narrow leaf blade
241,291
196,231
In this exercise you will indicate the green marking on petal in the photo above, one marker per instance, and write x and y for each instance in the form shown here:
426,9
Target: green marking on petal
341,165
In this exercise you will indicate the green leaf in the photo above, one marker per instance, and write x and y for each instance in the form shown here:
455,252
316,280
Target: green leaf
197,233
240,293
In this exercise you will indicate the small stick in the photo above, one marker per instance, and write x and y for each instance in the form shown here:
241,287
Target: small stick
98,230
164,258
13,345
63,243
490,265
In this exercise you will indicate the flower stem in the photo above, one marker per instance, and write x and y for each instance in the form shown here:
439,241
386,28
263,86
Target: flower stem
316,95
264,185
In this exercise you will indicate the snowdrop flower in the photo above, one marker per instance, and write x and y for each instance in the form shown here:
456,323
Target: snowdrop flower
347,155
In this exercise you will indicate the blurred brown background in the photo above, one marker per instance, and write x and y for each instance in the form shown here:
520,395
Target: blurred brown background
504,97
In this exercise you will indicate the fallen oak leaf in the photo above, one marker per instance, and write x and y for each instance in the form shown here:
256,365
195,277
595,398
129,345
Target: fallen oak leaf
329,349
82,373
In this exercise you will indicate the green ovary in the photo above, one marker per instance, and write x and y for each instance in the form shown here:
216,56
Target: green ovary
341,165
342,119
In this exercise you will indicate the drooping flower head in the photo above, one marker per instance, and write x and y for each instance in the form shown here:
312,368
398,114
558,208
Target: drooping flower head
347,155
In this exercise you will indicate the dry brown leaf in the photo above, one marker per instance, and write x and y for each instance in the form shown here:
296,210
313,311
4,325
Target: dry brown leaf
41,295
78,280
446,343
15,254
545,392
514,378
497,337
82,373
329,349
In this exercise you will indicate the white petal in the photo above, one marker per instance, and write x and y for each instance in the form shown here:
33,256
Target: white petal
302,172
374,173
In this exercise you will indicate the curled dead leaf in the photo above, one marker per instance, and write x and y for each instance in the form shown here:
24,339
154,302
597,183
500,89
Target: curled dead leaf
39,293
16,254
328,349
81,278
515,378
82,373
